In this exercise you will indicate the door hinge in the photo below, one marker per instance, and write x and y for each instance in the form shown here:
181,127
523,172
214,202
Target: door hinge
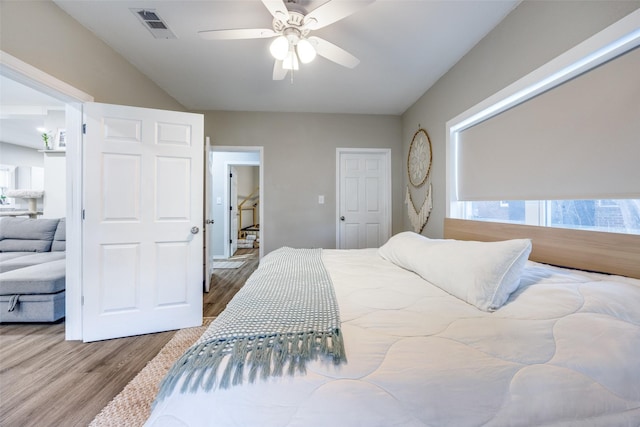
230,241
230,175
231,207
82,302
84,128
83,214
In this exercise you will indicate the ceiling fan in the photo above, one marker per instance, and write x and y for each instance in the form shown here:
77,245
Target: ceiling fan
291,28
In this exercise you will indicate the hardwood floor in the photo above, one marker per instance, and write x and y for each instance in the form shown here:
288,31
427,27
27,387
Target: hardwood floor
226,282
47,381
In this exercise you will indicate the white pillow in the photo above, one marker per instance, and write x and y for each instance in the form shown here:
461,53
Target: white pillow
481,273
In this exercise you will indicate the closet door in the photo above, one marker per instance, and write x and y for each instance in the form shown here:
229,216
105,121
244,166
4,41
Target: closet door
364,198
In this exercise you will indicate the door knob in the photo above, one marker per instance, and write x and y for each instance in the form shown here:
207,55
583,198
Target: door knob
194,230
342,218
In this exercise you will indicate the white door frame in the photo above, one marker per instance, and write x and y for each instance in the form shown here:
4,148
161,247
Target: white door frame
227,197
386,152
260,150
231,203
207,226
35,78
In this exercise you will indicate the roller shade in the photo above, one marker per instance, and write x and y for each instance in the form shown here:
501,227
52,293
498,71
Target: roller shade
579,140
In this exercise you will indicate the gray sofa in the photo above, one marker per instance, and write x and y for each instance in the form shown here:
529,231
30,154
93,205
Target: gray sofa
32,269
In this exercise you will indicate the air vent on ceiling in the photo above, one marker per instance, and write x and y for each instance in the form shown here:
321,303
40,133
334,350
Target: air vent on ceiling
152,22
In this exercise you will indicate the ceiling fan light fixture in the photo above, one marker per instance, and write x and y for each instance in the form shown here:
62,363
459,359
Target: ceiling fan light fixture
306,51
291,61
280,48
292,43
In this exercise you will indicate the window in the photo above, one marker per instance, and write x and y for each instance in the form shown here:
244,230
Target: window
614,216
495,149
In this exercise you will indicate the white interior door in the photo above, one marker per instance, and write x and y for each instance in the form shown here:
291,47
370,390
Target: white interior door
142,245
364,198
233,211
208,221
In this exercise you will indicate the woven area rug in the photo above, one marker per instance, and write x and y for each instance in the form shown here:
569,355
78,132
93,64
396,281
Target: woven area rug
132,406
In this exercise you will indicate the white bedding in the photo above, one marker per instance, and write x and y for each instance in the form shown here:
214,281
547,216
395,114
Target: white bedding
564,350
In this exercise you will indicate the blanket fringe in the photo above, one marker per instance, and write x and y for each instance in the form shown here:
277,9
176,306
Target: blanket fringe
264,356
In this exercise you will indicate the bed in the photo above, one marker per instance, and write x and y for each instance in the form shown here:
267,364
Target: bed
549,346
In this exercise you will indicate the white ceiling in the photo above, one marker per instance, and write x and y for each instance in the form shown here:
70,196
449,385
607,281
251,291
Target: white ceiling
22,111
404,47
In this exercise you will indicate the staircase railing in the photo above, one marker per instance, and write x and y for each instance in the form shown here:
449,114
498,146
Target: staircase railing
241,207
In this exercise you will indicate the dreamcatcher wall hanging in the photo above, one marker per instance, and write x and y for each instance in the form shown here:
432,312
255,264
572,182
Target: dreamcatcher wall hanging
418,168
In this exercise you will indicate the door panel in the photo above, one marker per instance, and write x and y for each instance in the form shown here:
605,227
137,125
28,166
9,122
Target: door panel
363,198
172,263
173,176
352,194
120,284
123,130
142,268
372,194
351,236
373,233
120,183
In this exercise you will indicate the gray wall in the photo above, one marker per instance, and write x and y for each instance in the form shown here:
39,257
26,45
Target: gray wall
17,155
39,33
533,34
300,164
300,148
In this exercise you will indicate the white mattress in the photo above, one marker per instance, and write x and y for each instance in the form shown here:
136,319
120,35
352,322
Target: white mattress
564,350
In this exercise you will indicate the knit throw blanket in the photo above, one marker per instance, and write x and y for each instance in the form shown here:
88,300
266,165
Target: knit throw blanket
285,315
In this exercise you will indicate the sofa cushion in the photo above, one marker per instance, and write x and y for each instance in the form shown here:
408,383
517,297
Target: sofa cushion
6,256
29,259
26,234
46,278
59,238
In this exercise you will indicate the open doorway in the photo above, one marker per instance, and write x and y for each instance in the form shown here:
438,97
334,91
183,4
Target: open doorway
32,129
67,103
246,226
234,204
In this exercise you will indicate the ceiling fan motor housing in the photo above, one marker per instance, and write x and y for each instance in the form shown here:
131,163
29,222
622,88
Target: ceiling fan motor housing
295,33
293,25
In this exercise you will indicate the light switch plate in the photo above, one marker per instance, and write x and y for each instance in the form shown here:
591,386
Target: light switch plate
321,200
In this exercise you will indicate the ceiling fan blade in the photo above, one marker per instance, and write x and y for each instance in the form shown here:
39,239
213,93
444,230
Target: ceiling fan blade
333,11
240,34
279,73
333,52
277,8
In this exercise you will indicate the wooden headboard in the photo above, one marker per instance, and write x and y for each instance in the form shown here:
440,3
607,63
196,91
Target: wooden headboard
611,253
